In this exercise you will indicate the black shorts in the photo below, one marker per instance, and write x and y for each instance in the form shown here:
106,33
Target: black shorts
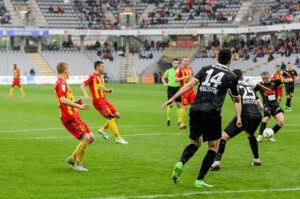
289,90
272,111
249,125
172,91
208,125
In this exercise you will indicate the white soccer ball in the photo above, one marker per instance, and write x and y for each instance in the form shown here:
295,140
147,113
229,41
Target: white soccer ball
268,133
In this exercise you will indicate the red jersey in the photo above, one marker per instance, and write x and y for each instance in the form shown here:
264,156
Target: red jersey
62,89
97,85
182,71
16,73
278,76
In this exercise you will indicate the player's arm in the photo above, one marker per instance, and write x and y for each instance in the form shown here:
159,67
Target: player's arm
108,90
260,105
182,90
163,79
68,102
86,96
237,102
178,79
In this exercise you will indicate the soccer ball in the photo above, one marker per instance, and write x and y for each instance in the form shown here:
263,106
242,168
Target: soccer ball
268,133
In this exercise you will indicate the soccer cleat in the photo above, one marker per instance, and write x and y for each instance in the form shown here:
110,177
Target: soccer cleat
288,109
202,184
168,123
103,134
70,161
272,139
9,96
79,167
256,162
259,137
182,126
178,124
23,96
177,172
215,167
121,141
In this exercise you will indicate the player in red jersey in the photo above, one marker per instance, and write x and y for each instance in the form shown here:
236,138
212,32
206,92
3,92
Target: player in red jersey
184,75
106,109
70,118
278,75
16,82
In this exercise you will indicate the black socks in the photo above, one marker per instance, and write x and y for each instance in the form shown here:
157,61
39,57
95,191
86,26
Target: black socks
206,164
262,128
254,146
221,150
188,152
276,128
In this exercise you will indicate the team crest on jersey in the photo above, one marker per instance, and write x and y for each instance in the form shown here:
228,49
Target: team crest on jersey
63,87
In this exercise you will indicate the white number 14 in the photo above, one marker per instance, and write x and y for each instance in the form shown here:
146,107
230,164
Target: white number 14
216,79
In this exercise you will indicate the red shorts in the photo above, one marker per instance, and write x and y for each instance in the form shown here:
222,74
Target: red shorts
76,127
104,107
279,92
188,97
16,82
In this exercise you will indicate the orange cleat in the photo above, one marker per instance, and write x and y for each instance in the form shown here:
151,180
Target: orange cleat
9,95
182,126
23,96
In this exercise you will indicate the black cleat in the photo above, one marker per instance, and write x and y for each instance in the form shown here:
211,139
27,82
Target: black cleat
168,123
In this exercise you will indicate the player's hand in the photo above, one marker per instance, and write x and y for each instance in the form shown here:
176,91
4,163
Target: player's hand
87,97
166,84
170,101
239,123
110,91
78,101
188,77
85,107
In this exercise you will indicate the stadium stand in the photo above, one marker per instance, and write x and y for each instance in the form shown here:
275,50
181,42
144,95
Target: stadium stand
9,58
4,15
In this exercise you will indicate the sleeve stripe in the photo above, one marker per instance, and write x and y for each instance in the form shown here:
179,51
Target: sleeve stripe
196,79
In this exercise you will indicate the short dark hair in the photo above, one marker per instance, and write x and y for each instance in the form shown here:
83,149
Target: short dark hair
289,62
224,56
97,63
175,59
238,73
265,73
277,66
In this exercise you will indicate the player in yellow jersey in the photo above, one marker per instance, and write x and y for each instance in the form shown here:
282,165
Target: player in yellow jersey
16,82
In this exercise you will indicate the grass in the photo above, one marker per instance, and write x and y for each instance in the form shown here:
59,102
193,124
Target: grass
34,146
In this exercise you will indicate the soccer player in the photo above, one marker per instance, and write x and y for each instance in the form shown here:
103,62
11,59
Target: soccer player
290,75
106,109
278,75
184,75
205,112
173,88
16,82
251,118
268,89
69,115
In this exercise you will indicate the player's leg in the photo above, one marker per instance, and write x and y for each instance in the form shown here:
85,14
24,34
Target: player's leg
178,103
216,165
279,93
206,163
280,122
263,125
169,114
289,95
22,91
11,90
190,150
254,148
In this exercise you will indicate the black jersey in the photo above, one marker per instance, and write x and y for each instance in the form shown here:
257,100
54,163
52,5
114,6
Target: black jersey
290,75
249,101
214,82
269,92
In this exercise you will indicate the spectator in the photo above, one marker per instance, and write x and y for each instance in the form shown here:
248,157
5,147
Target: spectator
283,66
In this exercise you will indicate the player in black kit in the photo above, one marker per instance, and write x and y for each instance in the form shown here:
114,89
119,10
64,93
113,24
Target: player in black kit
290,75
267,89
251,118
205,113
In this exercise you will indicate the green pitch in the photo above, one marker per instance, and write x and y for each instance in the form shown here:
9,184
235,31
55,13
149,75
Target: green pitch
34,146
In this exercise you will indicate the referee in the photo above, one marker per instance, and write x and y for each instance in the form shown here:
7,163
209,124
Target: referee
173,88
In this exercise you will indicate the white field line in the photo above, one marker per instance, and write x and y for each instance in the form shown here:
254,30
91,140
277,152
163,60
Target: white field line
205,193
130,135
93,127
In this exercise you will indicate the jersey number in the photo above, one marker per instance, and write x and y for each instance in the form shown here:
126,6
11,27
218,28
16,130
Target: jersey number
216,79
248,93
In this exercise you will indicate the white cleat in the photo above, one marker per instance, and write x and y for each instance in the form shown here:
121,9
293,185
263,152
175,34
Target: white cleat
256,162
259,138
103,134
272,139
79,167
121,141
70,161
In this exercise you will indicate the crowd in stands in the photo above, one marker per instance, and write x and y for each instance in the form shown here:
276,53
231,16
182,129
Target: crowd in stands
241,49
158,45
207,9
104,50
4,16
281,11
57,9
92,11
65,45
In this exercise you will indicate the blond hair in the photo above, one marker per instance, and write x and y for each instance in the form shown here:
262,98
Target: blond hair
61,67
